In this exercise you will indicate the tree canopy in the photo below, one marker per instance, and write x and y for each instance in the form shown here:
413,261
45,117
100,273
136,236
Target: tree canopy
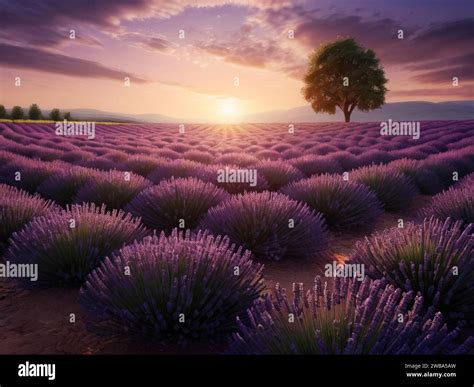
55,115
17,113
344,75
35,112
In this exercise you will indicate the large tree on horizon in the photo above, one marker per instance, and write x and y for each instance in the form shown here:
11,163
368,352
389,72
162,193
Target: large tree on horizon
345,75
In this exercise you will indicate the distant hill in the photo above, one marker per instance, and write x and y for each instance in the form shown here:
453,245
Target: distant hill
98,115
94,115
399,111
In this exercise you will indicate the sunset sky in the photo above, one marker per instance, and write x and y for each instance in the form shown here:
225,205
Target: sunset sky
194,77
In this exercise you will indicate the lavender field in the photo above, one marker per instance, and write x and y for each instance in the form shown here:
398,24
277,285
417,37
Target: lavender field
248,239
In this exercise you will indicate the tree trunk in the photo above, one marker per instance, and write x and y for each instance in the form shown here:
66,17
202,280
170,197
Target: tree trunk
347,116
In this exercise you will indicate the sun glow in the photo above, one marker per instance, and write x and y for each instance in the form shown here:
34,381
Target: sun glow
228,109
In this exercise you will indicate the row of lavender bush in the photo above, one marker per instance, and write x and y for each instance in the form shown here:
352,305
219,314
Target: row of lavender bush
210,284
394,184
291,224
353,146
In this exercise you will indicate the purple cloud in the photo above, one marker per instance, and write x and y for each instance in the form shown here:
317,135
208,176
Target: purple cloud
48,22
40,60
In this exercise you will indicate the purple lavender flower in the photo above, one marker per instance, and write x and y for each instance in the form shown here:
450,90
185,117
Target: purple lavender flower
466,181
374,156
235,158
113,188
455,203
435,258
77,157
314,165
176,169
199,156
447,164
292,153
180,148
117,156
103,163
64,185
371,317
392,188
67,245
268,154
27,174
213,174
343,204
345,159
173,201
143,164
17,208
322,149
269,224
167,154
182,287
427,181
278,173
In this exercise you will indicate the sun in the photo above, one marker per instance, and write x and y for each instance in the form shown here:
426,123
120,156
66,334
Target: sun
228,109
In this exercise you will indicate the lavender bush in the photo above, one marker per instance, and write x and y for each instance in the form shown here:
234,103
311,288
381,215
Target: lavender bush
427,181
371,317
466,181
278,173
240,159
435,258
17,208
455,203
443,167
212,172
392,188
269,224
64,185
268,154
143,164
163,206
343,204
113,188
314,165
199,156
27,174
181,287
459,160
176,169
69,244
104,164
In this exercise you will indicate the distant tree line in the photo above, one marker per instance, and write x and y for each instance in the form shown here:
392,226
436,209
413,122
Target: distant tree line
34,113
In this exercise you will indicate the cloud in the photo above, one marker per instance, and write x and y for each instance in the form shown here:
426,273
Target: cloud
250,49
375,34
450,92
157,44
149,43
40,60
241,55
48,22
445,69
442,40
207,91
432,54
428,55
